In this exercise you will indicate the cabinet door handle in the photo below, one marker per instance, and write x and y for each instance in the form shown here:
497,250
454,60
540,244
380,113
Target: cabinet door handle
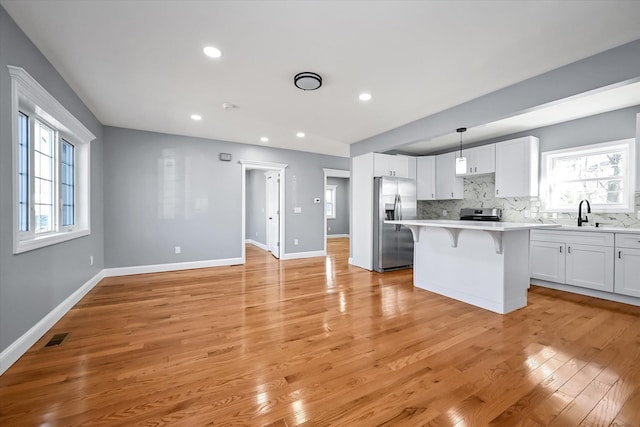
497,191
433,196
475,169
470,170
568,249
560,249
619,254
452,195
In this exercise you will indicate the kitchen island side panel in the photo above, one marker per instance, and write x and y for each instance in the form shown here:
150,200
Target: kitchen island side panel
473,272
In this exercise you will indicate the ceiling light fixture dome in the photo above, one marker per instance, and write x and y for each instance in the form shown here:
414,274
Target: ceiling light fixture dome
365,96
307,81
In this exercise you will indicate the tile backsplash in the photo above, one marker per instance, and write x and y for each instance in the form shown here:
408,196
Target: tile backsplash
479,193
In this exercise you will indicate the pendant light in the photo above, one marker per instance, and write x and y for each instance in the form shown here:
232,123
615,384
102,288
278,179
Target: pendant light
461,162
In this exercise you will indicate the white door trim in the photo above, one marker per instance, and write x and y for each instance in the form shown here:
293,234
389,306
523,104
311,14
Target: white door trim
249,165
271,174
335,173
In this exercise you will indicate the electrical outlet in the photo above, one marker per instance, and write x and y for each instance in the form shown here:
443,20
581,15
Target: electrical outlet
256,234
295,242
527,214
638,215
297,210
90,259
178,250
329,228
444,212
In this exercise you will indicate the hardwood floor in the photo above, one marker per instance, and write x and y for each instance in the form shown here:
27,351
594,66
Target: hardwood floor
317,342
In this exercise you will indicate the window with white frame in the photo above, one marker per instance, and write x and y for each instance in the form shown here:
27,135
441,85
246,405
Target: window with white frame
330,200
50,165
603,174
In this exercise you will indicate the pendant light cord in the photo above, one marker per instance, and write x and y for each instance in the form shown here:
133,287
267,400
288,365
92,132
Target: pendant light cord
461,131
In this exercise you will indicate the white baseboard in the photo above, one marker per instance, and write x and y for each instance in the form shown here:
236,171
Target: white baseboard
336,236
257,244
298,255
625,299
20,346
159,268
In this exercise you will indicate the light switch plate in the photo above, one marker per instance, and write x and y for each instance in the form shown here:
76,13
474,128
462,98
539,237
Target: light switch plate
316,200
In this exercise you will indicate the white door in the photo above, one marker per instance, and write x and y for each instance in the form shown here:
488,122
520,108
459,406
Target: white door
273,213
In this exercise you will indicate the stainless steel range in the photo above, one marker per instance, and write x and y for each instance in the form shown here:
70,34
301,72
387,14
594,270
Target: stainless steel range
482,214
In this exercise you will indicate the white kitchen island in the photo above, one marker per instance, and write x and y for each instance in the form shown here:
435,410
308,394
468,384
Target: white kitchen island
485,264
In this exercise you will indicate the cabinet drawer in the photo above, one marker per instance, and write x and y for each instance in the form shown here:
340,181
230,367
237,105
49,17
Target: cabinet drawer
575,237
631,241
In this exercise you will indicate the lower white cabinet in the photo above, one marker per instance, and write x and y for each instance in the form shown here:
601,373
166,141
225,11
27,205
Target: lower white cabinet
627,262
548,261
589,267
577,258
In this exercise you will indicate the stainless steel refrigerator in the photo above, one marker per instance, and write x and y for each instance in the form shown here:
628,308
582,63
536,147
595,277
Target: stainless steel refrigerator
393,199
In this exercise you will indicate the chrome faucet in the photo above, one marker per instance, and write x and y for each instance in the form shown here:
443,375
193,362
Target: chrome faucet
586,218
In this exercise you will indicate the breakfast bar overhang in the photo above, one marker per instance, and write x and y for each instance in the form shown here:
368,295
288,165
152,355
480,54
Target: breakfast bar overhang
485,264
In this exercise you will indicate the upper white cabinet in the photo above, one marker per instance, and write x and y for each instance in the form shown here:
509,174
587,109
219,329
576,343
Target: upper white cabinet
448,185
480,160
389,165
426,178
517,167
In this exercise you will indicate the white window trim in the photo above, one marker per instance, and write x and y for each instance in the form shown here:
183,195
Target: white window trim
334,188
26,91
629,177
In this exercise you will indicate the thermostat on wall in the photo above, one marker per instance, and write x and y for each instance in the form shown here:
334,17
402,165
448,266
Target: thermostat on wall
316,200
225,157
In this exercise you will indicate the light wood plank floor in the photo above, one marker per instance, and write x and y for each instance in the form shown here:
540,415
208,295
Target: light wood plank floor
317,342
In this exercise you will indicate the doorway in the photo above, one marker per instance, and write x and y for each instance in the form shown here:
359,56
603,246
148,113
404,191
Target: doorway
341,193
273,212
275,226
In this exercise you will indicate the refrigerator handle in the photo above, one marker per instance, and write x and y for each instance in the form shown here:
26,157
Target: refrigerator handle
399,207
397,211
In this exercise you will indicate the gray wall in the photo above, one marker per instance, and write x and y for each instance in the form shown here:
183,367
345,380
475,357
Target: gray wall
35,282
203,197
340,225
610,67
256,222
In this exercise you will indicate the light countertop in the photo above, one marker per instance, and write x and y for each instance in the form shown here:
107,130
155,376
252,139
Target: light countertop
473,225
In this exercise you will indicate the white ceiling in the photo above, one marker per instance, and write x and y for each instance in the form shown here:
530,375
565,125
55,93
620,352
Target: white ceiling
139,64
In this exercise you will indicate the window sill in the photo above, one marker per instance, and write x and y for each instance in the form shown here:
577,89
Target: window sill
21,246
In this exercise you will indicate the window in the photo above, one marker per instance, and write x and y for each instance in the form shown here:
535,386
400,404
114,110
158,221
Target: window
330,200
51,168
603,174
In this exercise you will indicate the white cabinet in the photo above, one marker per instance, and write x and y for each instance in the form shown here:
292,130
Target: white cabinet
480,160
589,266
548,261
388,165
517,167
575,258
627,264
448,185
426,178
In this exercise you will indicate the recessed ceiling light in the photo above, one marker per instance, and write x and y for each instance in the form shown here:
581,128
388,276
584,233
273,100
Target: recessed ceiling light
264,139
196,117
212,52
300,134
365,96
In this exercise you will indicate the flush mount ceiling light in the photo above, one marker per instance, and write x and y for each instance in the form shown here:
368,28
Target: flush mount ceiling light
300,134
461,162
264,139
364,96
212,52
307,81
196,117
